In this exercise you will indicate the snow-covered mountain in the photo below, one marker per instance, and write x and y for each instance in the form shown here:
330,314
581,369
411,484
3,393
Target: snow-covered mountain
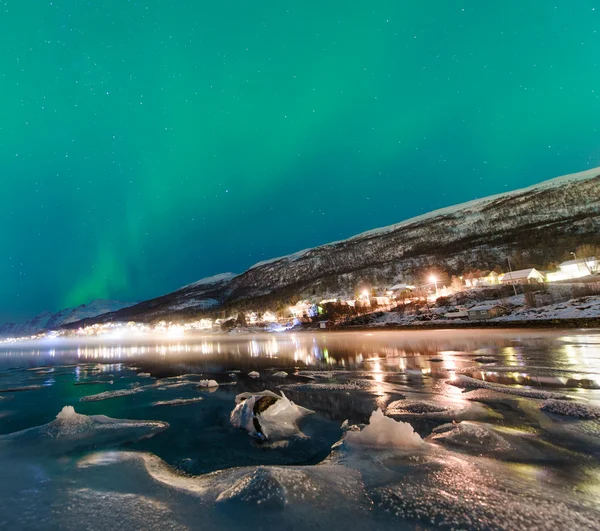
52,321
534,221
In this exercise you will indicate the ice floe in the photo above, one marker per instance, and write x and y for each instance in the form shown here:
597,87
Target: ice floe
468,382
253,374
72,431
21,388
178,402
107,395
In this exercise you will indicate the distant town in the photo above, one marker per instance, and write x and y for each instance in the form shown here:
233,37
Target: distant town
570,292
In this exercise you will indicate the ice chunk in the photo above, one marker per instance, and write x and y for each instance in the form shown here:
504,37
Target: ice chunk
384,432
178,402
253,374
280,374
572,409
267,416
208,383
107,395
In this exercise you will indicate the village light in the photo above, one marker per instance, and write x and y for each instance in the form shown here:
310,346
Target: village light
365,294
433,279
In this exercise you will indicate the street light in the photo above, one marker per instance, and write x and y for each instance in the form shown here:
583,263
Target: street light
433,280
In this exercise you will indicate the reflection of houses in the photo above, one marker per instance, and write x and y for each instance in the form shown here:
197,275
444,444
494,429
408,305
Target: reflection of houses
581,267
522,276
486,311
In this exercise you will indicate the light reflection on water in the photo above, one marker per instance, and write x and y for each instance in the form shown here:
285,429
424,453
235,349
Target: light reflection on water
541,358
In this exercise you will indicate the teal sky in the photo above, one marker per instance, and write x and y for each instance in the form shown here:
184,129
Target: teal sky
146,144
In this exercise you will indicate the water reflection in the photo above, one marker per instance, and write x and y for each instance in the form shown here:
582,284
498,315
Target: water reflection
539,358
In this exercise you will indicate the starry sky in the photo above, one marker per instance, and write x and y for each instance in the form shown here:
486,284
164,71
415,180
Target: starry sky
147,144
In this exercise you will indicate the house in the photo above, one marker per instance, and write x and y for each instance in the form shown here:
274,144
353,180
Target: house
522,276
458,313
303,309
580,267
489,279
381,301
486,311
397,289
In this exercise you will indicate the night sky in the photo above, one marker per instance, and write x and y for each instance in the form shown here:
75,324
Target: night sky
146,144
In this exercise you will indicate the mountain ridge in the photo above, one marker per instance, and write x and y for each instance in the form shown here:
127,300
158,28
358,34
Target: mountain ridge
51,321
480,232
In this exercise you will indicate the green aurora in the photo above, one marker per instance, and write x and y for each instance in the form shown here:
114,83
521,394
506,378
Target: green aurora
146,144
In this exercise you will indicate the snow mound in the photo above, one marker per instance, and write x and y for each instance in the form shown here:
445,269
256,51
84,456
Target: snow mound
572,409
177,402
384,432
208,383
107,395
253,374
267,416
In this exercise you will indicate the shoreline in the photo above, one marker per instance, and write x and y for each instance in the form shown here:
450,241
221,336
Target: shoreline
552,324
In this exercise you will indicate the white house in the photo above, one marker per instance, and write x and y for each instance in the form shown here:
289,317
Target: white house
522,276
580,267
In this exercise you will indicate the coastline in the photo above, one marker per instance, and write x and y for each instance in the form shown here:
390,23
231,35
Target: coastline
553,324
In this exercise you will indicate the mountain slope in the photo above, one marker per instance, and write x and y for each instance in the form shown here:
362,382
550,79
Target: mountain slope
51,321
479,233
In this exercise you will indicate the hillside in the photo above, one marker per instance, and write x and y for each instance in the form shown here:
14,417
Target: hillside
51,321
535,223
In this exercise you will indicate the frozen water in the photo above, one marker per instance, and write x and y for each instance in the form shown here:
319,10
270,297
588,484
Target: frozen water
384,432
527,466
280,374
253,374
